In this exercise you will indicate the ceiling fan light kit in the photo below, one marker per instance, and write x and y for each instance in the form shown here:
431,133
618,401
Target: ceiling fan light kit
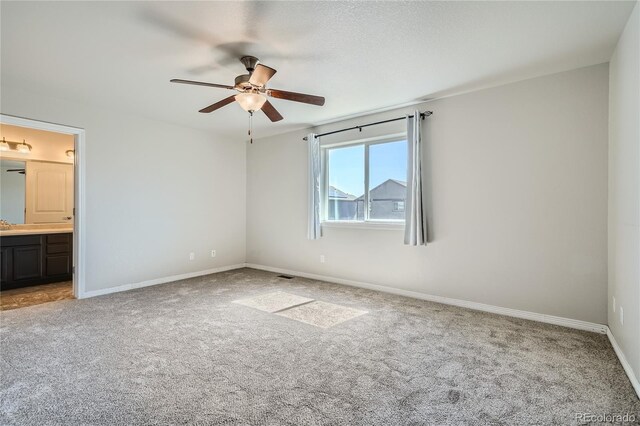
250,102
254,92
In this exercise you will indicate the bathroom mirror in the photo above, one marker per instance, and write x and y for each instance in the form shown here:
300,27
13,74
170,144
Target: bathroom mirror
36,192
12,190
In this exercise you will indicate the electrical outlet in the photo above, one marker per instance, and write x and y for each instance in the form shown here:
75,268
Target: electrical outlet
213,253
614,304
322,258
192,256
621,316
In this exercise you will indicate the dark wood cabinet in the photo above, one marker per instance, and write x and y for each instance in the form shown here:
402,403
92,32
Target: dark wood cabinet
27,263
4,263
58,259
35,259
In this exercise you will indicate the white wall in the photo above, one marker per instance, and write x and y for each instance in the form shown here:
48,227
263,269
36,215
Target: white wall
517,198
624,191
155,191
517,177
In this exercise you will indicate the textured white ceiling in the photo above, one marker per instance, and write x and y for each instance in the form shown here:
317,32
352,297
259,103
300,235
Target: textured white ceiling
360,56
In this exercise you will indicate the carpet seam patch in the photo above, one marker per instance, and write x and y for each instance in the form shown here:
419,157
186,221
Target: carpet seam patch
251,302
318,325
293,306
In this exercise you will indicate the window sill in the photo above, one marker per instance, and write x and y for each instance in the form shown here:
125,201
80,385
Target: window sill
380,225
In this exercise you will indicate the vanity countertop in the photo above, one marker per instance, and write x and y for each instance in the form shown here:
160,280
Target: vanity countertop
36,230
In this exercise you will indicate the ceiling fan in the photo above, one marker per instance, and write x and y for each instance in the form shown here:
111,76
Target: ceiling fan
253,91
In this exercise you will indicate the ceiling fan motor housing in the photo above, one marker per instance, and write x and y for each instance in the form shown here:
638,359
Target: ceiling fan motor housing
242,82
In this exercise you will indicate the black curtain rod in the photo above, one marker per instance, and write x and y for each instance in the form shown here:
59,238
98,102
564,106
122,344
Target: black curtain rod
422,116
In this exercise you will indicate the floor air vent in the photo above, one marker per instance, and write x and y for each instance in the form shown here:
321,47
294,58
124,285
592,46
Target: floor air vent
286,277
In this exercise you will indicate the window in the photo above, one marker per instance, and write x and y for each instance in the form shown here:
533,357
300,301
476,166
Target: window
371,174
346,183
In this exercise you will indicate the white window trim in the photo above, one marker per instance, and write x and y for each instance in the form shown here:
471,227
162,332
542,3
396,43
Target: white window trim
388,225
372,140
324,186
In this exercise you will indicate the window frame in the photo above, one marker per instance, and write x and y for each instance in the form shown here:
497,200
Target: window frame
389,224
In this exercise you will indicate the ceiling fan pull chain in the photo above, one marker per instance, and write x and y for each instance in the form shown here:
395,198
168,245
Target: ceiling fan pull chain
250,126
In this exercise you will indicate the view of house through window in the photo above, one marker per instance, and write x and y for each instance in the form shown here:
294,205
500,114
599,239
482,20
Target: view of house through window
349,190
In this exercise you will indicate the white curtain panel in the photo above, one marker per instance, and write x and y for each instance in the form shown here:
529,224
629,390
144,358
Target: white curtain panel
313,230
415,231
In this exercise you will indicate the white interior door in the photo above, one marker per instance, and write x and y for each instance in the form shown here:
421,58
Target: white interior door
49,192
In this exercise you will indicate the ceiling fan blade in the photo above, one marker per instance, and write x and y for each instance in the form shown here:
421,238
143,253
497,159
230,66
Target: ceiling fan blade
261,75
219,104
296,97
271,112
200,83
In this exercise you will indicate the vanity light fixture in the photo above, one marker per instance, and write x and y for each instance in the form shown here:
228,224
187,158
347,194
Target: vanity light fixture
4,146
23,147
70,153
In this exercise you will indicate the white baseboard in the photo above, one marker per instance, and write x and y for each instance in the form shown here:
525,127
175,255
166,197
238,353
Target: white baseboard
549,319
624,362
156,281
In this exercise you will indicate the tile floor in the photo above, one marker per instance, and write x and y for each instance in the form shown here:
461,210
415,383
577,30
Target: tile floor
35,295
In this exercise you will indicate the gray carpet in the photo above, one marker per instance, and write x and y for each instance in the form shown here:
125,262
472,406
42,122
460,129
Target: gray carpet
183,353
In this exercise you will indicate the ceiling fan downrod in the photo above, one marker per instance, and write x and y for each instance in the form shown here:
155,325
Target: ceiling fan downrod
249,63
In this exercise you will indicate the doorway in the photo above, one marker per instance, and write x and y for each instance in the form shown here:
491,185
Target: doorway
60,211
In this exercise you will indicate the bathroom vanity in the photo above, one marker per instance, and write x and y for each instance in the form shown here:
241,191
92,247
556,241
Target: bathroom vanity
35,256
36,221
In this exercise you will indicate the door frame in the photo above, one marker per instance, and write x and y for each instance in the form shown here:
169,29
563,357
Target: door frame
79,219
